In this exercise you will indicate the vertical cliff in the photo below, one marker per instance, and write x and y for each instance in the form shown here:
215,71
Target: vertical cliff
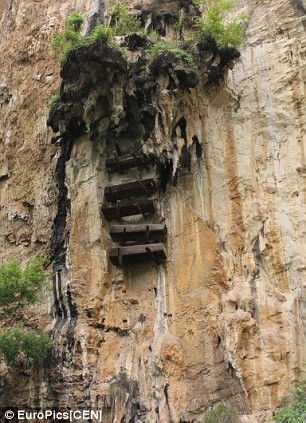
223,319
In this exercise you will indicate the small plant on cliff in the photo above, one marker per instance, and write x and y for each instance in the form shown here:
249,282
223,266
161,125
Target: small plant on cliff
74,22
295,409
183,21
123,21
222,413
103,34
216,24
18,346
71,38
172,47
53,102
153,36
20,287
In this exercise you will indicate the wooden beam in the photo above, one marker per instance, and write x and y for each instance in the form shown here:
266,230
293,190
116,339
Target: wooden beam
137,253
122,163
128,208
142,233
130,189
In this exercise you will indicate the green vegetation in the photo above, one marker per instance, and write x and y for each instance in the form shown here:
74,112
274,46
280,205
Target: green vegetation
71,38
20,287
222,413
153,36
74,22
295,409
215,23
17,345
164,47
101,34
178,28
123,21
183,21
53,102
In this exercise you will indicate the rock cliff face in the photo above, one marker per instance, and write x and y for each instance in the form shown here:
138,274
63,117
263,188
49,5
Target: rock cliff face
223,320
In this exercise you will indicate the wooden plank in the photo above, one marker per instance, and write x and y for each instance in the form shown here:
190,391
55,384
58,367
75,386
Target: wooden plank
130,189
119,164
142,233
137,253
128,209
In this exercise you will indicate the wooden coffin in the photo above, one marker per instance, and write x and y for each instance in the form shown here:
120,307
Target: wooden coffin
130,189
122,163
128,208
144,233
120,256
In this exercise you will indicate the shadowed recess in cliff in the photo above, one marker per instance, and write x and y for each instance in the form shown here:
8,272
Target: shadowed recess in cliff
181,153
98,75
220,60
160,15
170,163
126,96
198,147
165,170
88,70
125,403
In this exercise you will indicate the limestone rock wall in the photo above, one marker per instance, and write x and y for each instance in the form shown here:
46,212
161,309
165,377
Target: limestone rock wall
224,318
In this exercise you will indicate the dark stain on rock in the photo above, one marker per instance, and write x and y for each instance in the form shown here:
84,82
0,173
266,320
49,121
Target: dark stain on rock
165,170
198,147
59,235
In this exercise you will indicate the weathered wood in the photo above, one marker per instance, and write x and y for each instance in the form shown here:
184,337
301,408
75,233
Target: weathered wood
120,256
130,189
122,163
129,208
143,233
